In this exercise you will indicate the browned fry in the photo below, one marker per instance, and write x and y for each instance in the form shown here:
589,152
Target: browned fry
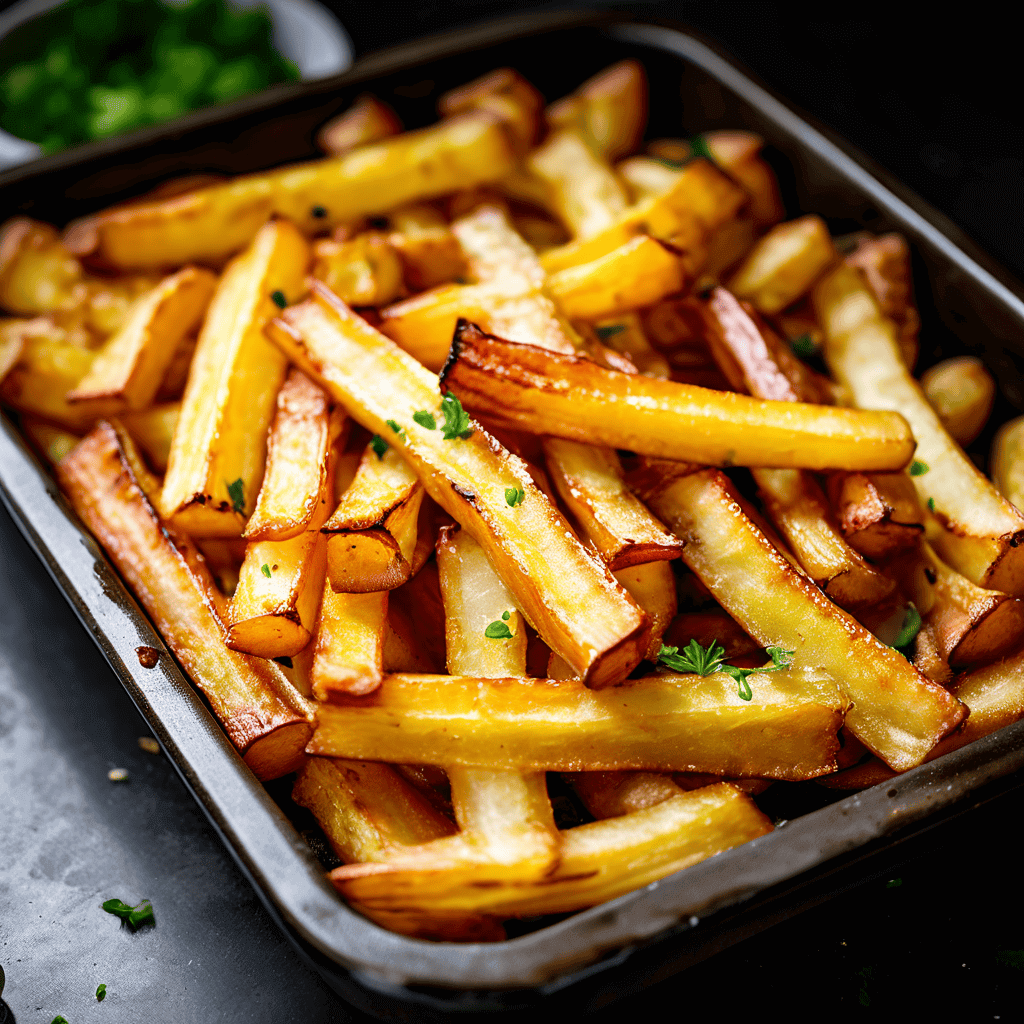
660,723
611,794
652,585
367,120
962,392
737,152
364,271
429,251
895,710
504,93
625,335
172,387
12,344
569,396
348,652
568,597
266,720
589,481
879,513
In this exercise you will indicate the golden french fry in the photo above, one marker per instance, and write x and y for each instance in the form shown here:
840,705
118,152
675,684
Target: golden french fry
524,387
210,224
364,271
507,95
962,392
647,177
784,264
982,531
37,272
611,794
573,603
266,720
653,586
737,152
132,363
660,723
298,456
879,513
895,710
153,431
429,251
367,120
217,457
348,656
1007,461
12,344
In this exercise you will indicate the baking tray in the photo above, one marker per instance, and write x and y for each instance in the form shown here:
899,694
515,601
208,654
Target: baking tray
589,959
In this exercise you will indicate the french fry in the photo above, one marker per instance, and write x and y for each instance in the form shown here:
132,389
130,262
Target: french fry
1007,461
217,457
784,264
660,723
53,443
895,710
647,177
37,273
982,531
524,387
298,456
12,344
153,431
372,533
429,251
714,626
367,120
625,335
879,513
266,720
210,224
589,481
364,271
962,392
569,599
507,95
348,656
611,794
132,363
652,585
737,152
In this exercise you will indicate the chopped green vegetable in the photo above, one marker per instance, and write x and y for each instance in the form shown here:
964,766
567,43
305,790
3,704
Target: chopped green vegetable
931,504
279,300
425,419
319,212
707,661
498,631
59,1019
265,570
910,628
514,495
236,492
699,147
918,468
803,346
609,331
399,430
506,616
101,993
135,916
894,883
456,420
379,445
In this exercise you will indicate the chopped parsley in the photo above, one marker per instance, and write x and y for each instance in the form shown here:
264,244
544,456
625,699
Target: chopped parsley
498,630
706,661
699,147
236,492
425,419
101,993
456,420
609,331
506,616
265,569
514,495
674,164
279,300
135,916
894,883
803,346
918,468
59,1019
319,212
931,504
908,631
379,445
393,424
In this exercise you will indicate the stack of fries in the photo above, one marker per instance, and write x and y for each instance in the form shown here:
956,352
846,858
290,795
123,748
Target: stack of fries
421,459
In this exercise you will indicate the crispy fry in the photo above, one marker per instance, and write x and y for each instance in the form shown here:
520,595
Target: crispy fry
1007,461
524,387
153,431
962,392
895,710
570,600
220,437
210,224
12,344
714,626
348,656
983,531
264,717
737,152
364,271
367,120
879,513
429,251
661,723
611,794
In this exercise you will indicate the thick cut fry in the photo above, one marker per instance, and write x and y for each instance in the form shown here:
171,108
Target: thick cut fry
367,120
567,597
983,532
425,244
131,365
785,264
639,273
653,586
210,224
879,513
37,273
153,431
626,335
348,656
647,177
1007,461
611,794
599,861
895,710
364,271
737,152
373,532
264,717
217,457
589,481
507,95
12,344
298,451
474,599
962,392
660,723
521,386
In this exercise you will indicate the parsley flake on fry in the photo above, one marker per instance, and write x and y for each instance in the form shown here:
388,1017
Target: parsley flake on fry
236,492
918,468
706,661
931,504
266,570
699,147
425,419
609,331
379,445
803,346
400,431
498,631
908,631
514,495
456,420
279,300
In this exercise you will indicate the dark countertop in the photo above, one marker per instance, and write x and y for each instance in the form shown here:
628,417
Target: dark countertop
938,935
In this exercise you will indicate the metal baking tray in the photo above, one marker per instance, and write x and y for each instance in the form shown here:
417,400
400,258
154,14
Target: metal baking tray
967,304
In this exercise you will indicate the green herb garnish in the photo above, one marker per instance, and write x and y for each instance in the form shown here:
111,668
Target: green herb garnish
609,331
425,419
514,495
135,916
236,492
931,504
400,431
319,212
59,1019
498,630
699,147
101,993
456,420
894,883
279,300
910,628
506,616
674,164
265,570
918,468
803,346
706,661
379,445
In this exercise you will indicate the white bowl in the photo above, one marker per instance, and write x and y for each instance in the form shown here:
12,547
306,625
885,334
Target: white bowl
304,32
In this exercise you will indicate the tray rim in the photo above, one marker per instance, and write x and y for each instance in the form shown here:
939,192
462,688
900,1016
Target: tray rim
117,625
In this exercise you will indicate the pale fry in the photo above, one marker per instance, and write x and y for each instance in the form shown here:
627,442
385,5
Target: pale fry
367,120
1007,461
962,392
